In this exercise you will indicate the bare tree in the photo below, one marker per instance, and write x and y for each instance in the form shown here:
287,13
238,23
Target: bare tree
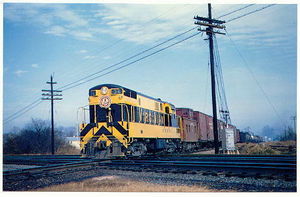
33,138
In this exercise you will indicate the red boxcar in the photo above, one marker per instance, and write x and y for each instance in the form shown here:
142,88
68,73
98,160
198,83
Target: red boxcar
202,125
206,127
210,132
190,131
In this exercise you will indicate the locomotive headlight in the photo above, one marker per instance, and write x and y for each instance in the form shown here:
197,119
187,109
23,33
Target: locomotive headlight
104,90
116,91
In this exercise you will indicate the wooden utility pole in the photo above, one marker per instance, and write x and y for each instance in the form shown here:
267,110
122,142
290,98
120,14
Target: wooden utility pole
51,96
294,118
210,24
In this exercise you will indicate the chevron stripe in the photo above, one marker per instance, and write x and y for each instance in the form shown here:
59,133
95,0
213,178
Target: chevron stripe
112,133
87,129
120,129
101,131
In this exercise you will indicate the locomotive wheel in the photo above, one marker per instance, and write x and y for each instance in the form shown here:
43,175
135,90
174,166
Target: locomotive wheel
137,149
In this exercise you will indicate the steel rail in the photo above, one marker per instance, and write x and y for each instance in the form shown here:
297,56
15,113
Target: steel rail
254,164
49,168
221,158
196,162
212,164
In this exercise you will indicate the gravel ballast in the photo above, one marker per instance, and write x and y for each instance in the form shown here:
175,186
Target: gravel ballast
220,182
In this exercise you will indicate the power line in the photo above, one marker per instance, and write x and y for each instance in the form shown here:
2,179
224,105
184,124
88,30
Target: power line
23,109
128,64
131,57
206,86
164,41
118,41
223,106
232,19
253,76
125,49
101,71
234,11
101,50
20,114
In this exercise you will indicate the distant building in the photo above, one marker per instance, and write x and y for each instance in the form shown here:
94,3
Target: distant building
74,141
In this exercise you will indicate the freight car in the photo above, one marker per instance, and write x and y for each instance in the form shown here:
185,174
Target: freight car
125,122
249,137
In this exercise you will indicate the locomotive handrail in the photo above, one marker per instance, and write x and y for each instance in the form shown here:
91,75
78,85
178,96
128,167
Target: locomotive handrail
128,115
83,109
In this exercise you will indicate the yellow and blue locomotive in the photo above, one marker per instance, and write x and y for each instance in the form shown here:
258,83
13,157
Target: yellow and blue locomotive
125,122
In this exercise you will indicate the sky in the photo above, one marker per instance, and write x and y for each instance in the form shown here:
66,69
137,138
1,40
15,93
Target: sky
72,41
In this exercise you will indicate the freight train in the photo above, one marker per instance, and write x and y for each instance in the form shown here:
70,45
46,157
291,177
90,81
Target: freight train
125,122
250,137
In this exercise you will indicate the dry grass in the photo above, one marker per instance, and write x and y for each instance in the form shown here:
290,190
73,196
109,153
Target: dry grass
118,184
282,143
67,150
268,148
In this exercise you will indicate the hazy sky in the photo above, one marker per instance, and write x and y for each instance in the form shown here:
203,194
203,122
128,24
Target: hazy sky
76,40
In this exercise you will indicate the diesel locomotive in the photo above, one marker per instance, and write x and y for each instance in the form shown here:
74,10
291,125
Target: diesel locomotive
125,122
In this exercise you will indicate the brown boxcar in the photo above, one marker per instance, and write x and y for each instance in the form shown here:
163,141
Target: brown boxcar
190,130
206,127
202,125
210,132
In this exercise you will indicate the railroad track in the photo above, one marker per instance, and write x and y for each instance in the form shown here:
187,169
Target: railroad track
41,160
210,164
270,167
278,167
45,165
281,162
47,169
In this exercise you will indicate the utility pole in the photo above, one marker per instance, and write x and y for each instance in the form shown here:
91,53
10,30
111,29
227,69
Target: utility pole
210,24
49,95
294,120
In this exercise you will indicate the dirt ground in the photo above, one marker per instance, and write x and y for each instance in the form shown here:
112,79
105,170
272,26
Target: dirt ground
118,184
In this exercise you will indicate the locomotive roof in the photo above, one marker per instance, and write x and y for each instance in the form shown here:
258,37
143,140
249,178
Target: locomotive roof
98,87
